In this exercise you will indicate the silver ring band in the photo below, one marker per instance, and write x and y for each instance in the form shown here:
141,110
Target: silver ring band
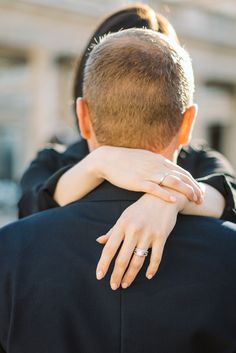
141,252
163,179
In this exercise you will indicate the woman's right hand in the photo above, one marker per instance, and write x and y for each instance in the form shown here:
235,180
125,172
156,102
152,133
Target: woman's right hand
146,224
143,171
131,169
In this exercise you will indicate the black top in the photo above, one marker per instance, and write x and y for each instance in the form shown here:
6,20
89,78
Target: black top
39,181
51,302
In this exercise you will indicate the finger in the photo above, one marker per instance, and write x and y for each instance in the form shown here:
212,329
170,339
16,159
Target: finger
156,190
135,266
122,261
193,193
171,166
175,183
109,251
156,256
103,239
193,183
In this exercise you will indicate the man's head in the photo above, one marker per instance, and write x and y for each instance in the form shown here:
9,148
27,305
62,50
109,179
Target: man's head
138,92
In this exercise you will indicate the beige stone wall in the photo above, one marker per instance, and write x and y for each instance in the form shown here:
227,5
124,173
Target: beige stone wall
36,36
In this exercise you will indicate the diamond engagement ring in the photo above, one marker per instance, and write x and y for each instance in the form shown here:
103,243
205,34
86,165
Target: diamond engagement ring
141,252
163,179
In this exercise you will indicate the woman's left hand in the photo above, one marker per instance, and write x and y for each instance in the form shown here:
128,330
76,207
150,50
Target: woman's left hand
146,224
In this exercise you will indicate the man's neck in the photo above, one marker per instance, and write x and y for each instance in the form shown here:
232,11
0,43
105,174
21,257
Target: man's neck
170,152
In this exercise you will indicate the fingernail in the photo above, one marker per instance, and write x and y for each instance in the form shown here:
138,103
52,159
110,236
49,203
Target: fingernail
99,275
195,198
99,237
114,286
149,276
172,198
125,285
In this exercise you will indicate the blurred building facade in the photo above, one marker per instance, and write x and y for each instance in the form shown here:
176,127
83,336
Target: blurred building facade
39,41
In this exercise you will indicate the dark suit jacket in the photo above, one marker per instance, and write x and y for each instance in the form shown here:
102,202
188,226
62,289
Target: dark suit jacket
51,302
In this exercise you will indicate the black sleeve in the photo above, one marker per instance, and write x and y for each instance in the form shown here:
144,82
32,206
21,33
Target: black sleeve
1,350
40,179
42,174
212,168
40,196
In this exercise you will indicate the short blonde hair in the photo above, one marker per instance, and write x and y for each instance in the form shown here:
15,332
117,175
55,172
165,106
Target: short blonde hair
138,83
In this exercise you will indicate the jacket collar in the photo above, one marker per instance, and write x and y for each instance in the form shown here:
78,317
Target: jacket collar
109,192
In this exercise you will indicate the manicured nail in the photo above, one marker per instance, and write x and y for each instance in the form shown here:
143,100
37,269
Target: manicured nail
100,275
125,285
114,286
99,238
149,276
173,199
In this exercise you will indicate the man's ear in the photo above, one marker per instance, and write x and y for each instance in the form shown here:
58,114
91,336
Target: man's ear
187,125
83,117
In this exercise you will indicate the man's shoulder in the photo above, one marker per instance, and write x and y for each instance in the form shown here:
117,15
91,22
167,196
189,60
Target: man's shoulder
208,235
205,225
50,225
22,231
206,246
212,237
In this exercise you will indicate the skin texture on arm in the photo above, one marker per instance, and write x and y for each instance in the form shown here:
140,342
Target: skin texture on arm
38,188
212,206
113,164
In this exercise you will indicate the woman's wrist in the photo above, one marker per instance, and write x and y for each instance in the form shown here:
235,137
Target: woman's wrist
98,160
212,206
181,200
177,206
101,161
79,180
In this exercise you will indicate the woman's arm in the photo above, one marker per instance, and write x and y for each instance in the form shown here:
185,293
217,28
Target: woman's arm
213,169
40,179
147,224
35,179
138,225
130,173
131,169
213,204
218,194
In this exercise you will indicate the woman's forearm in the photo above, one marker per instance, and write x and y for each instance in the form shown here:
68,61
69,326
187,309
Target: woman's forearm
79,180
212,168
130,169
212,206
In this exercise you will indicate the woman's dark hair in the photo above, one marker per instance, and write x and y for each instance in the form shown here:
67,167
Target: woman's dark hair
134,16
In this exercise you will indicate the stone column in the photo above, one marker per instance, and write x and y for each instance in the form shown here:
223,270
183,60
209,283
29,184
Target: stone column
44,94
231,134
